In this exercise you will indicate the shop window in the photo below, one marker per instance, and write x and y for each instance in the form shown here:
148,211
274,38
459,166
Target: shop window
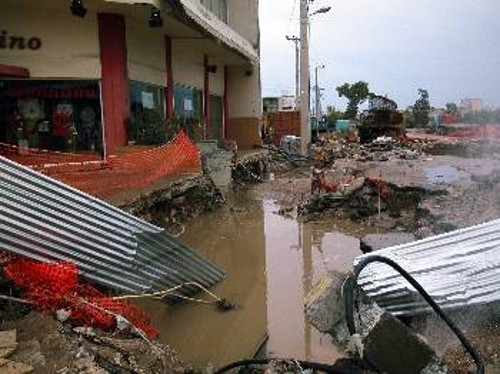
146,124
188,110
61,115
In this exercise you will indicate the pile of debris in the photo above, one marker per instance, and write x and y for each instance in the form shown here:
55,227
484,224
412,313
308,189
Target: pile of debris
382,148
362,199
40,344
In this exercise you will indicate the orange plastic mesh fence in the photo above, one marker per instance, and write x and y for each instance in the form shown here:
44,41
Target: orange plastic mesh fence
122,172
477,132
54,286
38,158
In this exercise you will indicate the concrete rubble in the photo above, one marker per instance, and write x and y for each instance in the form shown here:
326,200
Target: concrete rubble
382,340
374,242
40,344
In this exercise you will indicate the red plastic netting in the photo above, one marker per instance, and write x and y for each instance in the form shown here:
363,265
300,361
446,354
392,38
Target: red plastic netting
477,132
38,158
124,171
55,286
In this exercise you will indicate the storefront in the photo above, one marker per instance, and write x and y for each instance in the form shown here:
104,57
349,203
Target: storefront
99,82
58,115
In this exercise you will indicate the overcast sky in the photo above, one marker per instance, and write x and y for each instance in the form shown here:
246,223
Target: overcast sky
449,47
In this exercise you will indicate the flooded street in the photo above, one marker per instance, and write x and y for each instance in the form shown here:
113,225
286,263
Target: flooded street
271,263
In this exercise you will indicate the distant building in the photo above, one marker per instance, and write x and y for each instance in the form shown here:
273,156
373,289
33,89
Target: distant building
469,105
270,104
287,103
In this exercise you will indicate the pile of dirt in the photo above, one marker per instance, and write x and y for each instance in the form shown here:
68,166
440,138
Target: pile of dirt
380,149
49,346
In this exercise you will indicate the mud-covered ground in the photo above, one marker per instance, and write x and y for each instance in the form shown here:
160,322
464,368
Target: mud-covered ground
423,188
428,194
445,185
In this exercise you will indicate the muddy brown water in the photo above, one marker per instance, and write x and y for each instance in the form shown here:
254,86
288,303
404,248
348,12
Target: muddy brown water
271,263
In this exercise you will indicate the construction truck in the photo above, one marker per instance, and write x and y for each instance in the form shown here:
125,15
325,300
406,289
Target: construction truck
381,119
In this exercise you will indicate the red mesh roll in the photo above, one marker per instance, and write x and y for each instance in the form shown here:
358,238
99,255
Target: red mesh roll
54,286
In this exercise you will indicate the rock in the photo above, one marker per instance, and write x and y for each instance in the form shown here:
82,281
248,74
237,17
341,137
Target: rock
323,304
11,367
8,339
395,349
375,242
353,186
381,338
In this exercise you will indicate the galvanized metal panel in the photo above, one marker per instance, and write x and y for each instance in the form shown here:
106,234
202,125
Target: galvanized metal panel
459,268
46,220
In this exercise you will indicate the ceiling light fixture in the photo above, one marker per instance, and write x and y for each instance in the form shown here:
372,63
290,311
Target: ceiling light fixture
155,19
78,8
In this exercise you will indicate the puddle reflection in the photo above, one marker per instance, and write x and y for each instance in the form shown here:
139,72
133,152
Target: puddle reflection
271,263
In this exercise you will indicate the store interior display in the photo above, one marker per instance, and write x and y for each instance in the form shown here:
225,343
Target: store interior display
54,115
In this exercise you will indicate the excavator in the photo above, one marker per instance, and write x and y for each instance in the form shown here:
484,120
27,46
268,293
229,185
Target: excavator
381,119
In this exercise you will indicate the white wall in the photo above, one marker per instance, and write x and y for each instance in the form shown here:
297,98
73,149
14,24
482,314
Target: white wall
187,63
146,53
70,45
243,17
244,93
217,79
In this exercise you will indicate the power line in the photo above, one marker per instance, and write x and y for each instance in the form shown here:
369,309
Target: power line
291,17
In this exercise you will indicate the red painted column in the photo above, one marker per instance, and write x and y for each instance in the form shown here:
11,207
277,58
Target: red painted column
115,88
206,98
169,92
225,103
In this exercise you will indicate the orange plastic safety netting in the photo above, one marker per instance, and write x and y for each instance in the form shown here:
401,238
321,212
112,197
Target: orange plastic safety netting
39,159
477,132
55,286
127,170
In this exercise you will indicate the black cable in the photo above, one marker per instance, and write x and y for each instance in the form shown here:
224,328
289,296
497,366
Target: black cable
303,364
349,300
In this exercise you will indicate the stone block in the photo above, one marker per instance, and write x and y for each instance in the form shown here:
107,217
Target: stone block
375,242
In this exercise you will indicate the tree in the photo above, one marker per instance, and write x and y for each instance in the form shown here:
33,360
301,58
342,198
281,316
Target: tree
332,114
421,108
452,108
356,93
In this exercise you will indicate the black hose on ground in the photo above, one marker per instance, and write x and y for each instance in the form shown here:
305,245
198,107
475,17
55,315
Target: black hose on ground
315,366
349,303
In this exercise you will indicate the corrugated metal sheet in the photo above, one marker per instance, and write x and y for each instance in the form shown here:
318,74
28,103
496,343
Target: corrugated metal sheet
457,269
209,21
43,219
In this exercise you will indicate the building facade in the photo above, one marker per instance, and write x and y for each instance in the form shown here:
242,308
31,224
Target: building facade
469,105
93,75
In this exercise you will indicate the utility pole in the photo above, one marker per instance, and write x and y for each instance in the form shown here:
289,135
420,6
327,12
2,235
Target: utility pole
305,128
317,111
296,41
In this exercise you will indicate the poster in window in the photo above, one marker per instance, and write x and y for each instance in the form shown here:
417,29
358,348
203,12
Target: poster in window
148,101
188,105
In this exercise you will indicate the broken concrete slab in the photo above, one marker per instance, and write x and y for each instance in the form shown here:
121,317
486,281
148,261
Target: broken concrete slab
375,242
8,339
12,367
7,351
353,186
381,338
393,347
325,308
322,306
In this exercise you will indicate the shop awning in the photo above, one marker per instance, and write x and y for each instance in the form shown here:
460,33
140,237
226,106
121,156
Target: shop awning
213,25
